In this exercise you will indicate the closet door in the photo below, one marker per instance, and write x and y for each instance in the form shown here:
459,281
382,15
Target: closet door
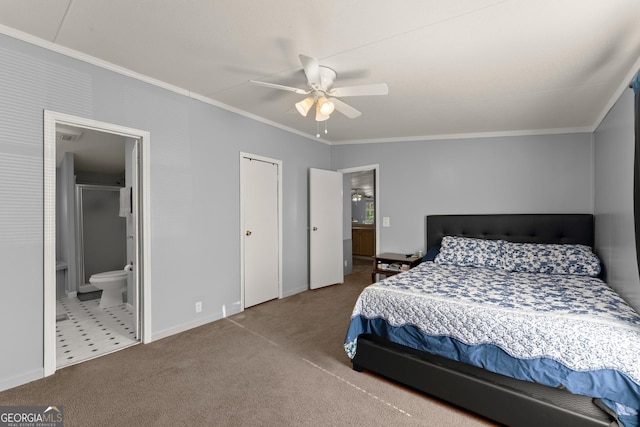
260,230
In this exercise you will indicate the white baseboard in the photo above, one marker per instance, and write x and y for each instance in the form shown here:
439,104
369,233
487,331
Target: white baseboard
12,382
190,325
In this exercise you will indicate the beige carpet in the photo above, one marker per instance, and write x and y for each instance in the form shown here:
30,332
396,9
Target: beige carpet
277,364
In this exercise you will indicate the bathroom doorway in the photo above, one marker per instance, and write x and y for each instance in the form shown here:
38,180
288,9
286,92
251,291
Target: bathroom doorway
96,188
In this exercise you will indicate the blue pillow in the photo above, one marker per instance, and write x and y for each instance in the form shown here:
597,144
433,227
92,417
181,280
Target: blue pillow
431,253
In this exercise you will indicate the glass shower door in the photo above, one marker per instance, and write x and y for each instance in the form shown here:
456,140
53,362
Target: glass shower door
101,231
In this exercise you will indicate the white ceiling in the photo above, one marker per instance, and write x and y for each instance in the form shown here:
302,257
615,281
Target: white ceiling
94,151
454,67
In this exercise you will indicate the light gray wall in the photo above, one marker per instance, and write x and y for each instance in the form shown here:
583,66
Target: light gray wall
615,232
537,174
194,193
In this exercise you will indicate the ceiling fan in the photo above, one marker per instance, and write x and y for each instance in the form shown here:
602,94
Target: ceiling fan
321,92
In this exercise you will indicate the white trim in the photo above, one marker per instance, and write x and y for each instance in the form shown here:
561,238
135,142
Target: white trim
37,41
584,129
49,291
29,38
375,168
241,231
51,120
260,119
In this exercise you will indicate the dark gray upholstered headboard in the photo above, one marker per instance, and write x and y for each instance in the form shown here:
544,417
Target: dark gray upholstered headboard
536,228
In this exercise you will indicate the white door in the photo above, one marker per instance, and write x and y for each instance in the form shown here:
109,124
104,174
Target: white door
133,233
325,228
260,233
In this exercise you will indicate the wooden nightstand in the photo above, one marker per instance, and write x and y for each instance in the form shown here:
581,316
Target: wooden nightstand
390,263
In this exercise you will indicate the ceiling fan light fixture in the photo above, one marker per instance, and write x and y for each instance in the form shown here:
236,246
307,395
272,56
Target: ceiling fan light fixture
319,116
304,106
320,85
325,107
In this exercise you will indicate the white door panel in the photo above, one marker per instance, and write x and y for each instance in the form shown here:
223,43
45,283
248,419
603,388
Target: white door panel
325,228
259,194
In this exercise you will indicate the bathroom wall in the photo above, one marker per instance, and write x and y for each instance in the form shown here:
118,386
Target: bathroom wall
65,221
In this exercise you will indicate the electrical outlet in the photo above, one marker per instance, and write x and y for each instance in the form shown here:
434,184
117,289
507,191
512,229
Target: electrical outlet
386,221
345,263
198,306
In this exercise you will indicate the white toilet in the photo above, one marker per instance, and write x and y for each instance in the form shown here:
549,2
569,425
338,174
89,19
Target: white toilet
112,283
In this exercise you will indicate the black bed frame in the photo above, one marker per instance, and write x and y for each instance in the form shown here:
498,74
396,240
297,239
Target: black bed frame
497,397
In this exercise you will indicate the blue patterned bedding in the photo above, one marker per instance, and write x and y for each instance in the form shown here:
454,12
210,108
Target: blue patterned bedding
558,330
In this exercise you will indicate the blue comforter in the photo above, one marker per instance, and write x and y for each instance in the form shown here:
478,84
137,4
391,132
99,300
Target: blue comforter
557,330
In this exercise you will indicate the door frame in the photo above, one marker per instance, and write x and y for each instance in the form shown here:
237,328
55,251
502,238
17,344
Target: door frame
376,168
51,120
240,228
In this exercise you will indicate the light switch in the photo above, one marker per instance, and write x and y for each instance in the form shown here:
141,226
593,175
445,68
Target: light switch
386,221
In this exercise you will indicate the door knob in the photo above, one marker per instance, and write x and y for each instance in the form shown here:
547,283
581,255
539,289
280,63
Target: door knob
315,228
248,233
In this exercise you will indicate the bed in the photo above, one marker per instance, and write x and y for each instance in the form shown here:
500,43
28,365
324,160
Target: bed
459,326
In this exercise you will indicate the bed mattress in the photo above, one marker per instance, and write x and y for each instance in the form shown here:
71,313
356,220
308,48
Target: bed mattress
564,331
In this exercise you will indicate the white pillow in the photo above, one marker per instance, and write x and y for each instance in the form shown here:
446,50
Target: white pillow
551,259
471,252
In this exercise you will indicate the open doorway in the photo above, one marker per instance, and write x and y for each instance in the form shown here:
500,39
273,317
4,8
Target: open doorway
363,219
361,213
96,260
96,288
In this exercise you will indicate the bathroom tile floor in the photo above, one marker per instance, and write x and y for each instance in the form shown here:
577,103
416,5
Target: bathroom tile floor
85,331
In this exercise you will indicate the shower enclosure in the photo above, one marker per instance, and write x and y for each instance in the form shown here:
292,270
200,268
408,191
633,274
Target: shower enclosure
100,231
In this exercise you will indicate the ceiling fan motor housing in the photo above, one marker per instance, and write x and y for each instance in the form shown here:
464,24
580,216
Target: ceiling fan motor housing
327,77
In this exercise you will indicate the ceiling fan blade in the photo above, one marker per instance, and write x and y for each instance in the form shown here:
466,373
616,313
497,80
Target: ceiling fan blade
311,70
281,87
345,108
362,90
